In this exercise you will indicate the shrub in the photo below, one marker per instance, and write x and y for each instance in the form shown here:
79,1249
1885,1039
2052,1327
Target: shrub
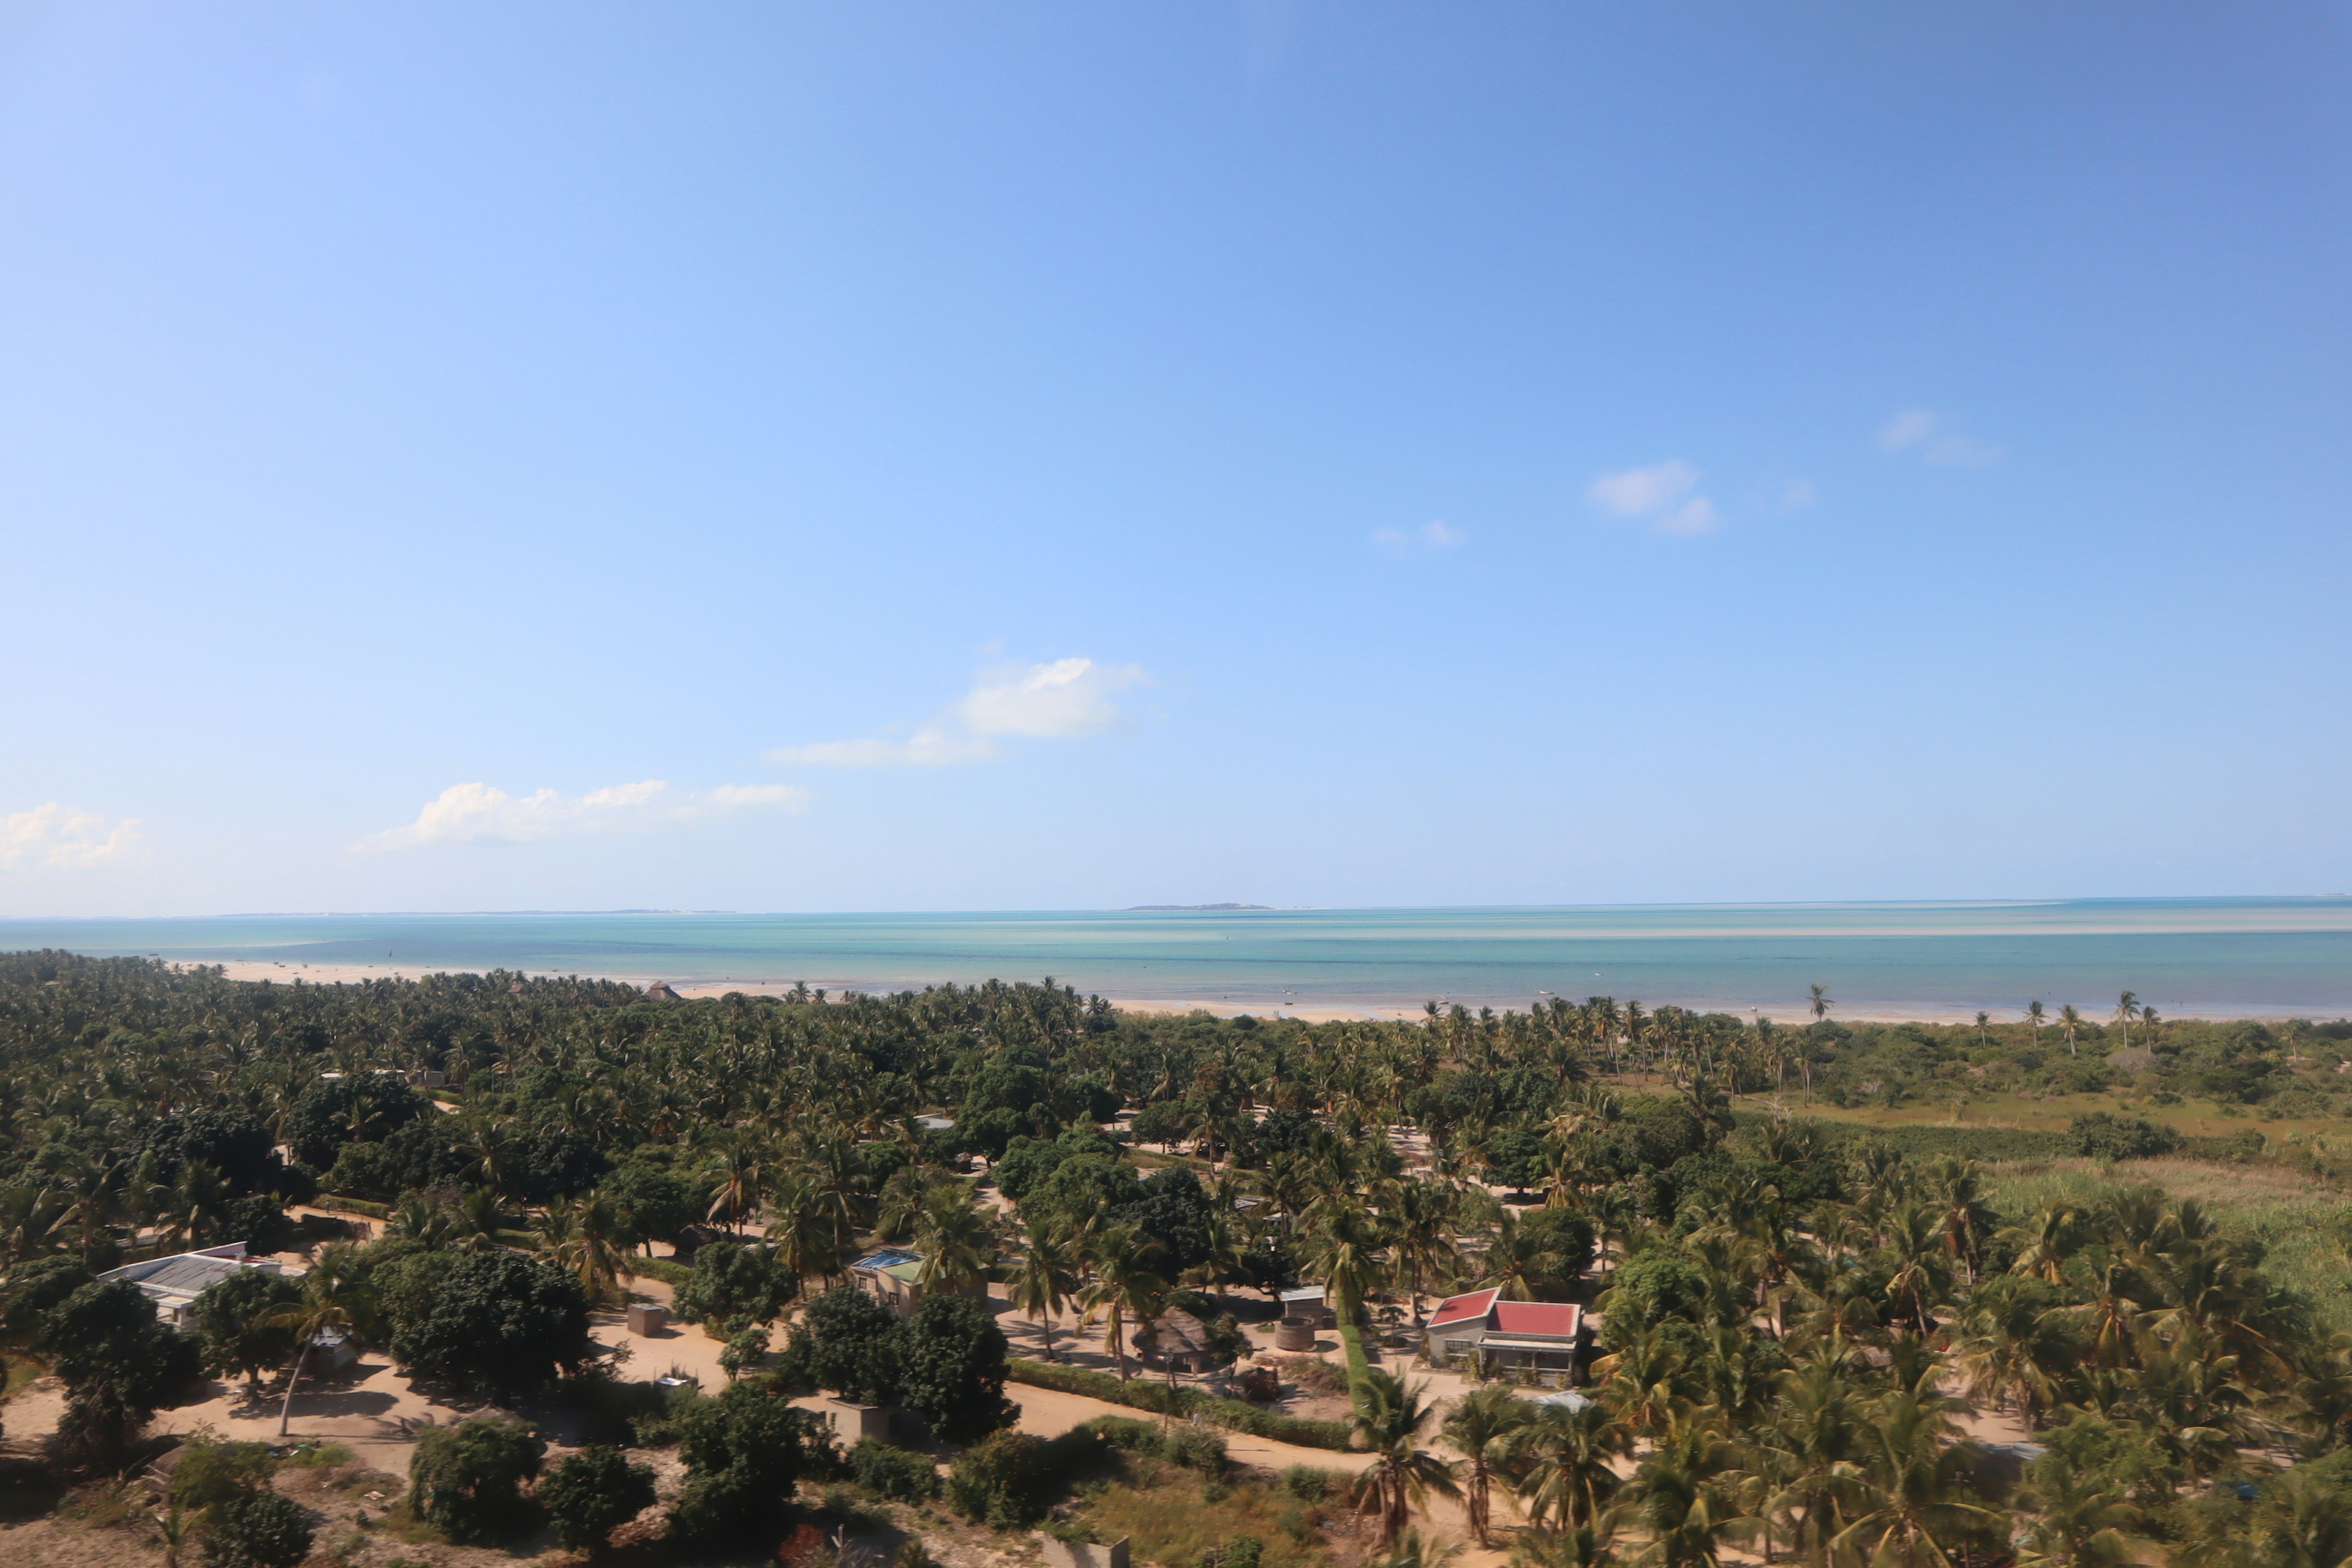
893,1473
744,1353
1308,1484
1196,1449
32,1288
591,1493
2104,1136
1142,1394
951,1368
467,1481
1656,1286
259,1530
210,1475
1001,1480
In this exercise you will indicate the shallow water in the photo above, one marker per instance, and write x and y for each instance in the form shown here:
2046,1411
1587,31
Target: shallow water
2209,957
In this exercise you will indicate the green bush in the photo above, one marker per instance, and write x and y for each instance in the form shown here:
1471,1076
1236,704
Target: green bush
950,1357
590,1494
467,1481
1308,1484
491,1322
1151,1395
259,1530
847,1343
1001,1480
735,1286
32,1288
212,1473
2103,1136
893,1473
745,1451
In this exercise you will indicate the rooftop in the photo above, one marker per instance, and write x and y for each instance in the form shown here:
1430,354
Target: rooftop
1470,1309
1549,1319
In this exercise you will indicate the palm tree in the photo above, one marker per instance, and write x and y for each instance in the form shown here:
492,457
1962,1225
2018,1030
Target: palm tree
1584,1547
2035,1015
2126,1009
801,1231
1044,1279
1565,1458
2047,1240
194,1204
1984,1026
1127,1288
953,1239
583,1238
2070,1018
1679,1497
1821,1003
741,1187
1413,1551
2069,1519
1912,1508
1518,1257
336,1299
1484,1427
1348,1251
1387,1417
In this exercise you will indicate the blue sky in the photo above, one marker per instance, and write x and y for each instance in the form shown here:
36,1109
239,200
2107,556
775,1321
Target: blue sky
892,456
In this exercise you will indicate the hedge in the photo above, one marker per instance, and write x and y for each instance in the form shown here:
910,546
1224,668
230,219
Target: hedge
1151,1394
668,1270
352,1206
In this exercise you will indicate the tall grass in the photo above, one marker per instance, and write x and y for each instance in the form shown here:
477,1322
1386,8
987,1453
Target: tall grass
2291,1216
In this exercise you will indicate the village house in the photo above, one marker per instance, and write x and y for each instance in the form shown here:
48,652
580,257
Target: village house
1483,1333
893,1276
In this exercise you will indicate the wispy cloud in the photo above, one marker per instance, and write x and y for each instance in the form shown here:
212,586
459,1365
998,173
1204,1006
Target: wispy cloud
57,838
479,813
1661,495
1427,540
1932,438
1038,701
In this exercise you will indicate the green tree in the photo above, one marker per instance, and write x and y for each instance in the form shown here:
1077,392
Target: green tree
591,1493
1566,1459
951,1368
744,1452
1386,1419
236,1319
497,1322
118,1365
336,1297
467,1481
1484,1427
849,1344
1127,1288
259,1530
1045,1279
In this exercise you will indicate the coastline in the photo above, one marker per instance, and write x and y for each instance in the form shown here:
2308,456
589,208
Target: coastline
1304,1008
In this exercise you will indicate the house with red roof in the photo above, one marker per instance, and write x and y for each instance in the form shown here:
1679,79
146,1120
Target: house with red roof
1482,1332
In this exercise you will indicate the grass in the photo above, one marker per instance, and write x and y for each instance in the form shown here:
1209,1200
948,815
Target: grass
2051,1113
21,1369
2288,1212
1171,1516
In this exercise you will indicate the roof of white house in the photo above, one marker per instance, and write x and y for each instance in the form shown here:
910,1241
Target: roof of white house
185,1276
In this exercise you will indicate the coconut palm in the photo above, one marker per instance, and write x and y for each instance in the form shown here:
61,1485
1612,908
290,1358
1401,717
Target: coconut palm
1821,1003
1682,1498
336,1299
953,1239
1045,1279
583,1236
2037,1016
1565,1459
1386,1419
2067,1520
1127,1288
2047,1240
1912,1510
1484,1427
2126,1009
2070,1018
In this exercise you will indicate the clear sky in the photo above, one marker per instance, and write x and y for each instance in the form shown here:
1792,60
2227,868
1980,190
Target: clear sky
970,456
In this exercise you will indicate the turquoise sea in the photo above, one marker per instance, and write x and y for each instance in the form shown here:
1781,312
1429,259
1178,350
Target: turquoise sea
2210,957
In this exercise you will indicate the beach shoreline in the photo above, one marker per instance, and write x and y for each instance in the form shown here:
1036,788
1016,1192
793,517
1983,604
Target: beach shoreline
1302,1008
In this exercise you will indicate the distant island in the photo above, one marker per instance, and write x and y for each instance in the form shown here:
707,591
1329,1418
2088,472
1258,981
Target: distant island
1188,909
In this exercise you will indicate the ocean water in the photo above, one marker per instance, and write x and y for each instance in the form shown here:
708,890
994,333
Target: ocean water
2188,957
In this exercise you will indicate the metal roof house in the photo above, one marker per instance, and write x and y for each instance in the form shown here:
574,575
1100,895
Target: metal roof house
893,1276
1483,1333
174,1283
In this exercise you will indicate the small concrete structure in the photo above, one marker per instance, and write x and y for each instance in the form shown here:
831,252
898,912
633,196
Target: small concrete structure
1294,1334
853,1422
1309,1303
174,1283
1060,1553
1483,1333
648,1318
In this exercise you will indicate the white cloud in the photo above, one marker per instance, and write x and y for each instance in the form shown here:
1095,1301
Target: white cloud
1428,539
1040,701
1657,493
60,838
1695,515
1067,697
1639,492
1932,437
480,813
929,747
1797,495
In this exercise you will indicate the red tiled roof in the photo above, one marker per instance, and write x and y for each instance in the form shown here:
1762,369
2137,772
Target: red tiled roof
1550,1318
1471,1308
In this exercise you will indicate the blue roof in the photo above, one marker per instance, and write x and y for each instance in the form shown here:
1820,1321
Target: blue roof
887,1258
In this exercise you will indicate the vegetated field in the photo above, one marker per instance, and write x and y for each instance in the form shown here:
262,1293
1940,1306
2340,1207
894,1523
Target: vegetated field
2054,1113
1170,1519
2292,1216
